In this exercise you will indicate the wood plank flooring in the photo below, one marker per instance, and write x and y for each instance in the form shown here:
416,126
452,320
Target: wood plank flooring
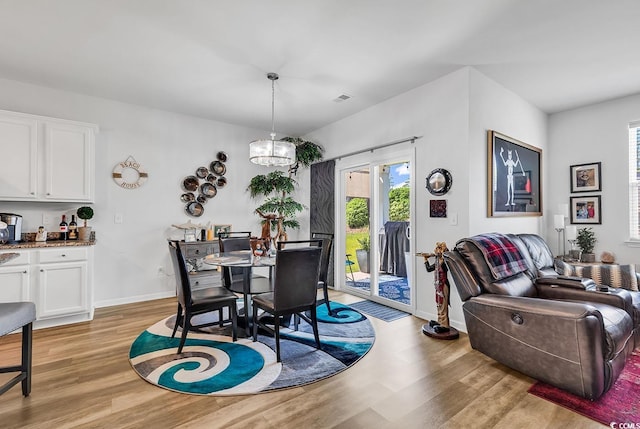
82,379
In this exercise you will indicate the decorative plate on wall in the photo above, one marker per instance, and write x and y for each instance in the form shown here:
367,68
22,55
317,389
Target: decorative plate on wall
190,183
205,183
202,172
195,209
187,197
208,190
218,168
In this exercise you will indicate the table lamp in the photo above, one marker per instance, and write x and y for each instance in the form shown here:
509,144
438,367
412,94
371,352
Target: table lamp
558,224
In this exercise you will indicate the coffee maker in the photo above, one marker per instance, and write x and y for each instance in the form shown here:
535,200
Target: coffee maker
14,225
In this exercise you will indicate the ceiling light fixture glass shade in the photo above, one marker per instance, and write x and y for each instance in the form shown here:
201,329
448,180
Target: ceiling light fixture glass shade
272,152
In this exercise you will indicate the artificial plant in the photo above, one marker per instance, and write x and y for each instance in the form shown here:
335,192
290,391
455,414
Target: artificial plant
279,209
586,240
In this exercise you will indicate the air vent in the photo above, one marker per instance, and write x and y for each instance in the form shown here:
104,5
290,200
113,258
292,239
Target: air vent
341,98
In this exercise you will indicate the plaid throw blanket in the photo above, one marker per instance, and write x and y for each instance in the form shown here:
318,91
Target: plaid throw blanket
502,255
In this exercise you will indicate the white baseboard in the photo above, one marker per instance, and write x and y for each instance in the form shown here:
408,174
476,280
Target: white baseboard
133,299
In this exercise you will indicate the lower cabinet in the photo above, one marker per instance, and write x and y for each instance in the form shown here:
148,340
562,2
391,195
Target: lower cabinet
15,284
59,280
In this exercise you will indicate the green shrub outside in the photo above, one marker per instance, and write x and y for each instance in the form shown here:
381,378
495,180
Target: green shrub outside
399,204
357,212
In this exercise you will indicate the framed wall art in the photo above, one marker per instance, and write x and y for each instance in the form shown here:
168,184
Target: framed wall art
219,229
585,177
437,208
514,171
586,210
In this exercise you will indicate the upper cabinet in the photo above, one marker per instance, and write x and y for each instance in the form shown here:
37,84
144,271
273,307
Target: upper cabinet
46,159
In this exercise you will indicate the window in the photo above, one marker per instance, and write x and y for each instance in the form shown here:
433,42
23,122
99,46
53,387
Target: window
634,180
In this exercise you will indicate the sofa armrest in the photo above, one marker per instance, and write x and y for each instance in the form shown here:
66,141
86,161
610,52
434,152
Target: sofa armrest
619,298
567,281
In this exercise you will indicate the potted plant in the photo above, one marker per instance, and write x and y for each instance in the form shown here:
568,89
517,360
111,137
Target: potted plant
586,240
362,254
279,209
84,232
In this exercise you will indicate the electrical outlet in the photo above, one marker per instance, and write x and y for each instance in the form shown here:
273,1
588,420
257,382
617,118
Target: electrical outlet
117,218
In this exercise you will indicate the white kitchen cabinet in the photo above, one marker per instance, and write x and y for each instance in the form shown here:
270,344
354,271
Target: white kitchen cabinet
15,279
62,290
51,159
62,282
59,280
19,148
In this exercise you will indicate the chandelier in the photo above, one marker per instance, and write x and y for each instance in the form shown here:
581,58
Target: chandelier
272,152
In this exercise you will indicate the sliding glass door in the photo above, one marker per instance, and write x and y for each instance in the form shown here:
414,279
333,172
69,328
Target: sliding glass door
376,210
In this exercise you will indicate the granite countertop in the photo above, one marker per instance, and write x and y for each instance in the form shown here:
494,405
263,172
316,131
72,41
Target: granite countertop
44,244
6,257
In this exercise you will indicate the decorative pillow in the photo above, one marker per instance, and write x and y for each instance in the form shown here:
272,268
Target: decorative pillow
622,276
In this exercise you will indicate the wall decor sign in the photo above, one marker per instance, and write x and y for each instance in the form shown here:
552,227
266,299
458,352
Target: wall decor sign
586,177
514,177
129,174
586,210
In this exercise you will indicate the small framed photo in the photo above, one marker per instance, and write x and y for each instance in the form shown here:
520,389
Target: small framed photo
219,229
585,177
586,210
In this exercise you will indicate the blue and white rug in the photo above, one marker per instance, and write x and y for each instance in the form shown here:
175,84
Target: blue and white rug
390,287
212,364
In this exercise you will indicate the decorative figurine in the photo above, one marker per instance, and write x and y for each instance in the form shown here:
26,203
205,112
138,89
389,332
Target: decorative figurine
41,235
439,329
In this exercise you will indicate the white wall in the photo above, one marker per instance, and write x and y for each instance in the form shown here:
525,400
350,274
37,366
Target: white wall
453,115
597,133
492,107
169,146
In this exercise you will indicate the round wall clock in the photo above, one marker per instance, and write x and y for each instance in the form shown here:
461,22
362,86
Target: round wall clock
439,181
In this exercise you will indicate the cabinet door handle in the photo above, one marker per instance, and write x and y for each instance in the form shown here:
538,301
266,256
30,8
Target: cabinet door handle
41,270
24,272
63,255
197,251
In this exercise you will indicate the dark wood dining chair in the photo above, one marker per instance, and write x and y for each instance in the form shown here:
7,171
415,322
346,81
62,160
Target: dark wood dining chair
327,244
15,315
294,291
232,277
199,301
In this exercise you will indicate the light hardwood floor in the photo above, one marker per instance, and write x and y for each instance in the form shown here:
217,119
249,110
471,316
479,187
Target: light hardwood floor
82,379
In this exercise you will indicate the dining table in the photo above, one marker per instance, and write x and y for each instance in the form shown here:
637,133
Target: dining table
247,262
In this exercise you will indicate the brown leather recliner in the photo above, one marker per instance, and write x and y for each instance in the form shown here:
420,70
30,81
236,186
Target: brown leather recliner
557,330
542,264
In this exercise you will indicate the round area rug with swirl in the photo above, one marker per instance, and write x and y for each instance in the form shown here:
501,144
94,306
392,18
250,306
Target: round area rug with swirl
212,364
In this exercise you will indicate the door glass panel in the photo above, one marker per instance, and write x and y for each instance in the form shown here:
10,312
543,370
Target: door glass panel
357,234
377,231
393,257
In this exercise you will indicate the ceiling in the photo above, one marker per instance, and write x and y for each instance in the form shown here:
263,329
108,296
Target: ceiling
209,58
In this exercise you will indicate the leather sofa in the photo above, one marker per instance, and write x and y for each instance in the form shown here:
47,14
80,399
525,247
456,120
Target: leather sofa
557,329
